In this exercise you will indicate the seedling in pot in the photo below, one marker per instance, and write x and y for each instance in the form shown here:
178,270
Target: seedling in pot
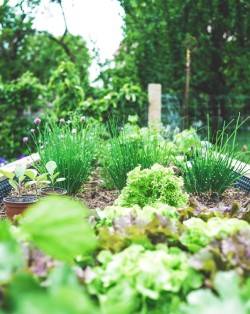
15,205
16,178
53,179
37,181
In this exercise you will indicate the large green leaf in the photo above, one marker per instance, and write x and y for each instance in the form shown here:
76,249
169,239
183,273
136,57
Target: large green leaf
11,256
58,226
27,296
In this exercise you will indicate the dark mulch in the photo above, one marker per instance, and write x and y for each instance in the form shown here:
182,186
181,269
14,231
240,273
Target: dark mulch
94,195
229,197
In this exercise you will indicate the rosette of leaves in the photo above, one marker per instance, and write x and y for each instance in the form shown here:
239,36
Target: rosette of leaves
199,233
149,274
187,140
229,253
148,186
126,231
135,213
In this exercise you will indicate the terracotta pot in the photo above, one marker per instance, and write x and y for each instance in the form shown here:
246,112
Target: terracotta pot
16,205
52,191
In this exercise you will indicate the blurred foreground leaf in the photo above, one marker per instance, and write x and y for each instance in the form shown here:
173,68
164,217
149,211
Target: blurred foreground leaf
11,255
58,226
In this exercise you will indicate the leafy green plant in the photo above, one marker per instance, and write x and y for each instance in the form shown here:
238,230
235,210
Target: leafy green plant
73,149
186,140
214,168
148,186
45,228
200,233
227,253
52,175
150,274
16,178
125,151
229,297
36,180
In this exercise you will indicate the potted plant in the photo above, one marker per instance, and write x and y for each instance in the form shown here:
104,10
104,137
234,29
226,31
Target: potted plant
36,180
53,178
16,204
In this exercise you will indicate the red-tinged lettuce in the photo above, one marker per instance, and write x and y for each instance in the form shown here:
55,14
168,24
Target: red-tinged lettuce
229,253
199,233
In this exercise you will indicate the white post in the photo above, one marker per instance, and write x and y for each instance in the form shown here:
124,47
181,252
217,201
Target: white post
154,109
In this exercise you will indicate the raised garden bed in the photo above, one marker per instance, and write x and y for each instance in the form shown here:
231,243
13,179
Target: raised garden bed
150,247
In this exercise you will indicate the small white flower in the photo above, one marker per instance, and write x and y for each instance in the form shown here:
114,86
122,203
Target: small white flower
74,131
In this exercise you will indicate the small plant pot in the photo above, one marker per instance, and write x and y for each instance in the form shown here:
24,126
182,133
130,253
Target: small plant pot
52,191
16,205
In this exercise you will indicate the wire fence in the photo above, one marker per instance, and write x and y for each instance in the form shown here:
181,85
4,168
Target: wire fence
220,109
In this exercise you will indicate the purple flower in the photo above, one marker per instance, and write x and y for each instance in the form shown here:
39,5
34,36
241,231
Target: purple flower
2,161
37,121
21,156
25,139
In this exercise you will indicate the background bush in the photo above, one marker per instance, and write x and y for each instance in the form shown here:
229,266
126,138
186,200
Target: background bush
19,101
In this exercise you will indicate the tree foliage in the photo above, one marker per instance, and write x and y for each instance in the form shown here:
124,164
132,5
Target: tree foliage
156,33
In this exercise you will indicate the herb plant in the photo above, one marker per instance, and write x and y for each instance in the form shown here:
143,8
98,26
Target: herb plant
214,168
73,149
125,151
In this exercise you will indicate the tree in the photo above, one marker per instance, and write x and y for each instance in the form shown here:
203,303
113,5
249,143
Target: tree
22,48
154,47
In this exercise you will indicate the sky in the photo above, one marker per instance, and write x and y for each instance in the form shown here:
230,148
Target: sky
97,21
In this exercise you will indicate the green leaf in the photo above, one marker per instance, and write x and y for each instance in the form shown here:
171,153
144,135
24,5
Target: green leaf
7,174
60,179
58,227
51,167
14,184
11,256
27,296
20,170
31,173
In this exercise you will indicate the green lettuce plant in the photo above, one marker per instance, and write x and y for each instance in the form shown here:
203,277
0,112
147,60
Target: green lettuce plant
229,297
200,233
150,274
187,140
148,186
